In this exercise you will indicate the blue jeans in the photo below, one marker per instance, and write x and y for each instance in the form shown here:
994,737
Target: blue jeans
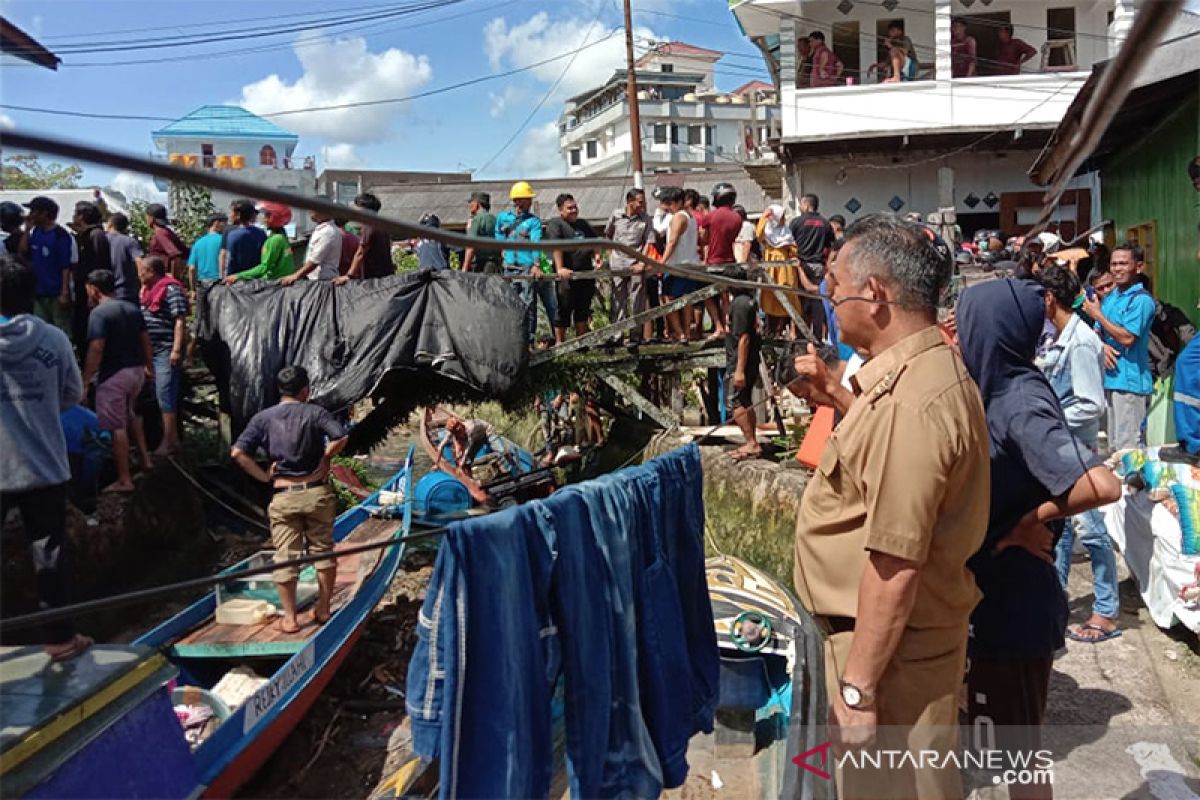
582,587
167,380
529,292
1094,537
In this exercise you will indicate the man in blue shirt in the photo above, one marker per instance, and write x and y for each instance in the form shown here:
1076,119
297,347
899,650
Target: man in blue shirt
1074,365
1123,319
204,261
241,249
50,248
522,225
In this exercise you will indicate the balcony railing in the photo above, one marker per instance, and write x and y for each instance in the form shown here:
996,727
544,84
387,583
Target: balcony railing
929,106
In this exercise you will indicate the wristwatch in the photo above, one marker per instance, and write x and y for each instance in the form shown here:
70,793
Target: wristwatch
856,698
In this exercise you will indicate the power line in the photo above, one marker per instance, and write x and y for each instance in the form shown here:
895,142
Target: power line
302,42
546,96
336,107
259,32
51,41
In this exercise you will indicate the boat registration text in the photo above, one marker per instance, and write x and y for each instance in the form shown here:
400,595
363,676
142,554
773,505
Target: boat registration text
269,695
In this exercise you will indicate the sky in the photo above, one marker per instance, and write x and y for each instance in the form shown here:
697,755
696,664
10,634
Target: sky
275,67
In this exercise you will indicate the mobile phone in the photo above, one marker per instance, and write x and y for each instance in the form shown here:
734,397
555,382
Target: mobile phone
1091,293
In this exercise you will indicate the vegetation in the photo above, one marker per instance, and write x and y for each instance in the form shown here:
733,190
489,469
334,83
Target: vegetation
345,498
26,171
191,206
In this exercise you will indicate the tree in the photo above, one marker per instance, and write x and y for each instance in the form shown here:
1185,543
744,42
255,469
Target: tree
191,206
26,171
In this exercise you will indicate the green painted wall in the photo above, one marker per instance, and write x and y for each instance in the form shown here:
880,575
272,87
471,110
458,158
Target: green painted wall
1149,181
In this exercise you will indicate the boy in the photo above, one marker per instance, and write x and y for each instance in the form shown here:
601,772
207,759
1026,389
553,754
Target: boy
119,359
743,347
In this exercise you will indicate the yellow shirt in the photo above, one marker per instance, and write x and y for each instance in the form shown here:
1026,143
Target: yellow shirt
906,473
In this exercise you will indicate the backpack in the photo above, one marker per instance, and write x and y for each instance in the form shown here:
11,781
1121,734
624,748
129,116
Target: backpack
1170,331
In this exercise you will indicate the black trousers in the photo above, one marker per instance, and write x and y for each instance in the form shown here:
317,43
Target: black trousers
44,517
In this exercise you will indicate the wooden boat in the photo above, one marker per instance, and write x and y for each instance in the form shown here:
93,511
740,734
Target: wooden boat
503,473
105,724
772,698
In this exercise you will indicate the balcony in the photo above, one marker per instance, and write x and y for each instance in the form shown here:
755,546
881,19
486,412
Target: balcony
925,107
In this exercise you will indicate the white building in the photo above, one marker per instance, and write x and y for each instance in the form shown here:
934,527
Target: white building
938,141
686,123
254,149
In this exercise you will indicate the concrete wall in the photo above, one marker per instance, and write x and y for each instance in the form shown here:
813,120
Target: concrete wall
247,148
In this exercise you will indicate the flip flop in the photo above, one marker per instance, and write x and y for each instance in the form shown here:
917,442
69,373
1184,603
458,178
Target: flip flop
1105,633
739,456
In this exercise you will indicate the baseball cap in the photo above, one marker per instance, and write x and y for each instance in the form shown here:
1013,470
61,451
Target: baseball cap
158,211
43,203
11,212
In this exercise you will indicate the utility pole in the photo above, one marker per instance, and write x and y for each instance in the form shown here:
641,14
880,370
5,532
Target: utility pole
635,117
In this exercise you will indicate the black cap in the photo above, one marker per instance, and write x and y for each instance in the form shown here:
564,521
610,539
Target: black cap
158,211
431,221
43,203
11,213
481,197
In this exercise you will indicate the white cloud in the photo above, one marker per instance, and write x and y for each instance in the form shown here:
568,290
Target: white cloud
511,96
6,122
538,155
539,38
336,72
341,156
135,186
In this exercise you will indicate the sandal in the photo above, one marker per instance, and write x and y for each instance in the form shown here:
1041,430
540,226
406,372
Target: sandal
1105,633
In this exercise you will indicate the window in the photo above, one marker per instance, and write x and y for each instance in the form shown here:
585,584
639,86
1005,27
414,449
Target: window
346,191
668,67
206,154
1060,38
660,133
846,47
591,148
710,135
1145,236
674,133
266,156
575,160
695,134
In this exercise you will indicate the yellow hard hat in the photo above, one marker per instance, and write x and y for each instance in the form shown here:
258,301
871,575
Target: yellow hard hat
520,189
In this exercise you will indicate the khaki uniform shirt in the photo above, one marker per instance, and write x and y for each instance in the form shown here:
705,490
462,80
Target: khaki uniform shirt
906,473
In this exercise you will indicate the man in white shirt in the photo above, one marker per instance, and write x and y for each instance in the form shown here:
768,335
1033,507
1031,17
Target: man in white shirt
324,252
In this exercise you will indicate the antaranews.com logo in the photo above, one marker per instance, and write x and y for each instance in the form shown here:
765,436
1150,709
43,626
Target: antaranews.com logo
1008,767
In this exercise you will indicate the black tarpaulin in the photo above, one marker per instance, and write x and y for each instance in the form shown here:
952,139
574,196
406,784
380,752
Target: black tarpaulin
468,328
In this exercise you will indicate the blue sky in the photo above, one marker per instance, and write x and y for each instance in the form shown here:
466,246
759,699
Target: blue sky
392,57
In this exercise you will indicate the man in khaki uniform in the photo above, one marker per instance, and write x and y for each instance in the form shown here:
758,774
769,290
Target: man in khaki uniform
897,505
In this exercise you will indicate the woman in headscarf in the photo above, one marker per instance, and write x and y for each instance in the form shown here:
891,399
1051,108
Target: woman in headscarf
1040,474
778,245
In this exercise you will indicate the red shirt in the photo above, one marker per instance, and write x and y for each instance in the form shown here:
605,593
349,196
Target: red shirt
723,225
166,244
349,248
1011,54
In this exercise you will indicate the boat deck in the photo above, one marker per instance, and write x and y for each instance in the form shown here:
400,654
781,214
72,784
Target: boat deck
211,640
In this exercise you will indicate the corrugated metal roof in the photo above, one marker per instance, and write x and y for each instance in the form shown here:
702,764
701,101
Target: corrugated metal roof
226,122
597,196
680,49
66,199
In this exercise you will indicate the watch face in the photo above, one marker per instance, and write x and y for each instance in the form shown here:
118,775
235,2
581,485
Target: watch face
851,696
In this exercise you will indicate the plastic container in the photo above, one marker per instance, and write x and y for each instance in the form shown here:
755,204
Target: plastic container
439,493
244,611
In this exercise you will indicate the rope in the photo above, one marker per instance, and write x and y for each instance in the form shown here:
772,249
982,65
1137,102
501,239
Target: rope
155,592
397,228
200,487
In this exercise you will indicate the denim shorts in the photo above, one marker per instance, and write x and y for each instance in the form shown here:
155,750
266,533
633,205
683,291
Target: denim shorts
167,380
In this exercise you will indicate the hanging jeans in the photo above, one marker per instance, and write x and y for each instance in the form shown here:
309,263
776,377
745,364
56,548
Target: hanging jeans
1093,535
585,585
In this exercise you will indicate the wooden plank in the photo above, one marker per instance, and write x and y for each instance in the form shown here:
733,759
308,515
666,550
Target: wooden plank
617,328
635,398
266,639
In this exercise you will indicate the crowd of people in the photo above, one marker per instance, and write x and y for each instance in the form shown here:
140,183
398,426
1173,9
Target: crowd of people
935,539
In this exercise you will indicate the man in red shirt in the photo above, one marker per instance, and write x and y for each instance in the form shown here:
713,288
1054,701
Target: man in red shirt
1012,52
718,232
